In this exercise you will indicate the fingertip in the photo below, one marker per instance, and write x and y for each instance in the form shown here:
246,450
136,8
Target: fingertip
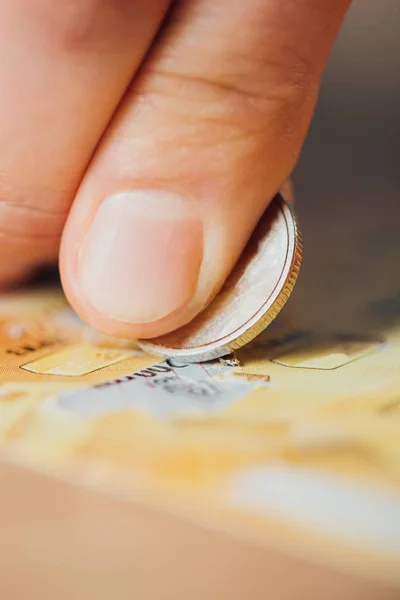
136,266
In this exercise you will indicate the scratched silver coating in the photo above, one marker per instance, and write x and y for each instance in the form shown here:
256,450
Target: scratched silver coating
252,296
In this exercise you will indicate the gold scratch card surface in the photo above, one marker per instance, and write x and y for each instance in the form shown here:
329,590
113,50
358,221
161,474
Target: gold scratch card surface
297,440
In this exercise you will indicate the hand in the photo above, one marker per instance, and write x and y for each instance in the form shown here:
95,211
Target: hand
151,148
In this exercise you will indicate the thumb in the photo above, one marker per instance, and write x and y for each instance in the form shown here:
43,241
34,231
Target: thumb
203,140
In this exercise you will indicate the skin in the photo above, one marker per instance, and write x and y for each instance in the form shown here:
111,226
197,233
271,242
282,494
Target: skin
140,141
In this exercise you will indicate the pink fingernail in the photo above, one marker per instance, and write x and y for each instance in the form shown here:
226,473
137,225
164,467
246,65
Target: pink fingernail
141,258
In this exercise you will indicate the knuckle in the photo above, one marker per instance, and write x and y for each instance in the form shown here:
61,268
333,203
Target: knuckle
279,77
242,104
207,122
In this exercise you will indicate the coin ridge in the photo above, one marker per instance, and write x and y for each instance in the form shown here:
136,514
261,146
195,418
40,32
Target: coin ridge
280,301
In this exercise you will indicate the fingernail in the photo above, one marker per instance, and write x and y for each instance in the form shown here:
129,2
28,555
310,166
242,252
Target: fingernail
141,257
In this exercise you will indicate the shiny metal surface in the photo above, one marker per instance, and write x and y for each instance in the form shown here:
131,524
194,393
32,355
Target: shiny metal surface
252,296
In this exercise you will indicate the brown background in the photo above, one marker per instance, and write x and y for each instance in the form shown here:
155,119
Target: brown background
348,181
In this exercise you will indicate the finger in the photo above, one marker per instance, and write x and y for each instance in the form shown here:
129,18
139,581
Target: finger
64,67
12,273
206,136
287,189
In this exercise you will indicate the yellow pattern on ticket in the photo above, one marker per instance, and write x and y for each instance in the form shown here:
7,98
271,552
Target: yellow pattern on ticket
76,360
295,422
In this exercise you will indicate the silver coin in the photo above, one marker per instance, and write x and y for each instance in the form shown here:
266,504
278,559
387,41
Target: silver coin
252,296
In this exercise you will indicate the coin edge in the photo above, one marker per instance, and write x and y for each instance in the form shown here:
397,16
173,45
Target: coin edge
194,355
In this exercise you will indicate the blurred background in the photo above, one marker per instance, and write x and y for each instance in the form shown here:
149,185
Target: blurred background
348,182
